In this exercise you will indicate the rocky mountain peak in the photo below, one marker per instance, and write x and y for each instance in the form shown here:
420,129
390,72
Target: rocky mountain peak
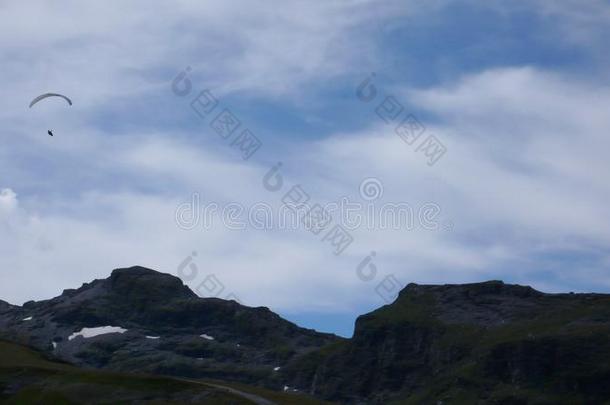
5,306
486,288
142,283
436,342
142,320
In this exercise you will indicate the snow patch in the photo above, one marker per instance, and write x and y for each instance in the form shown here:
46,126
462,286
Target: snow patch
276,369
29,318
153,337
54,344
208,337
92,332
286,388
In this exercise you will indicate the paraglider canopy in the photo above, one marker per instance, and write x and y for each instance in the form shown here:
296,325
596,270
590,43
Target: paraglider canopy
46,95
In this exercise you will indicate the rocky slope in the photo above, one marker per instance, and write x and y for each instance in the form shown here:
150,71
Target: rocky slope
160,327
475,343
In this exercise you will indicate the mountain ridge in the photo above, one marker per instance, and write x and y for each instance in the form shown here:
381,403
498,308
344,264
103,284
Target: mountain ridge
487,342
168,330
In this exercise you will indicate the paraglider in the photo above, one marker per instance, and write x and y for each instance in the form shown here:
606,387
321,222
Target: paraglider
46,95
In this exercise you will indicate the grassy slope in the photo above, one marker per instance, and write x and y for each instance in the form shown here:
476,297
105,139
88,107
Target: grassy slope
38,380
557,323
278,397
32,379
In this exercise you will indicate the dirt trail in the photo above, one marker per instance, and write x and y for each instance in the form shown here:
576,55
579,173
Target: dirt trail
258,400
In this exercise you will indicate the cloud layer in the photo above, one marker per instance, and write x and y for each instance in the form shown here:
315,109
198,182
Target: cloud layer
523,183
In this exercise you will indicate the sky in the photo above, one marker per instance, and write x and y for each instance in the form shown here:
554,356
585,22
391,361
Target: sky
487,120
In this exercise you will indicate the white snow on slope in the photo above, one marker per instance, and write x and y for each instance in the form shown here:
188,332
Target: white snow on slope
153,337
208,337
29,318
101,330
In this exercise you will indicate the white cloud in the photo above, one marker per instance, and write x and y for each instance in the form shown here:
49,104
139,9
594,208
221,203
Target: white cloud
8,201
513,183
528,146
100,53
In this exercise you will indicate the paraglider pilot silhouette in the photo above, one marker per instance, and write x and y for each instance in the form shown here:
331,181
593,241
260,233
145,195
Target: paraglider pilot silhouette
46,95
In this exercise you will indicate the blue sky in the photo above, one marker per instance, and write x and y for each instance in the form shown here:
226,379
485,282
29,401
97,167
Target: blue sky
516,92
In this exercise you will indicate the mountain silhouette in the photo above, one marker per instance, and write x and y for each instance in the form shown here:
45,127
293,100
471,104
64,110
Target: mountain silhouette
487,342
